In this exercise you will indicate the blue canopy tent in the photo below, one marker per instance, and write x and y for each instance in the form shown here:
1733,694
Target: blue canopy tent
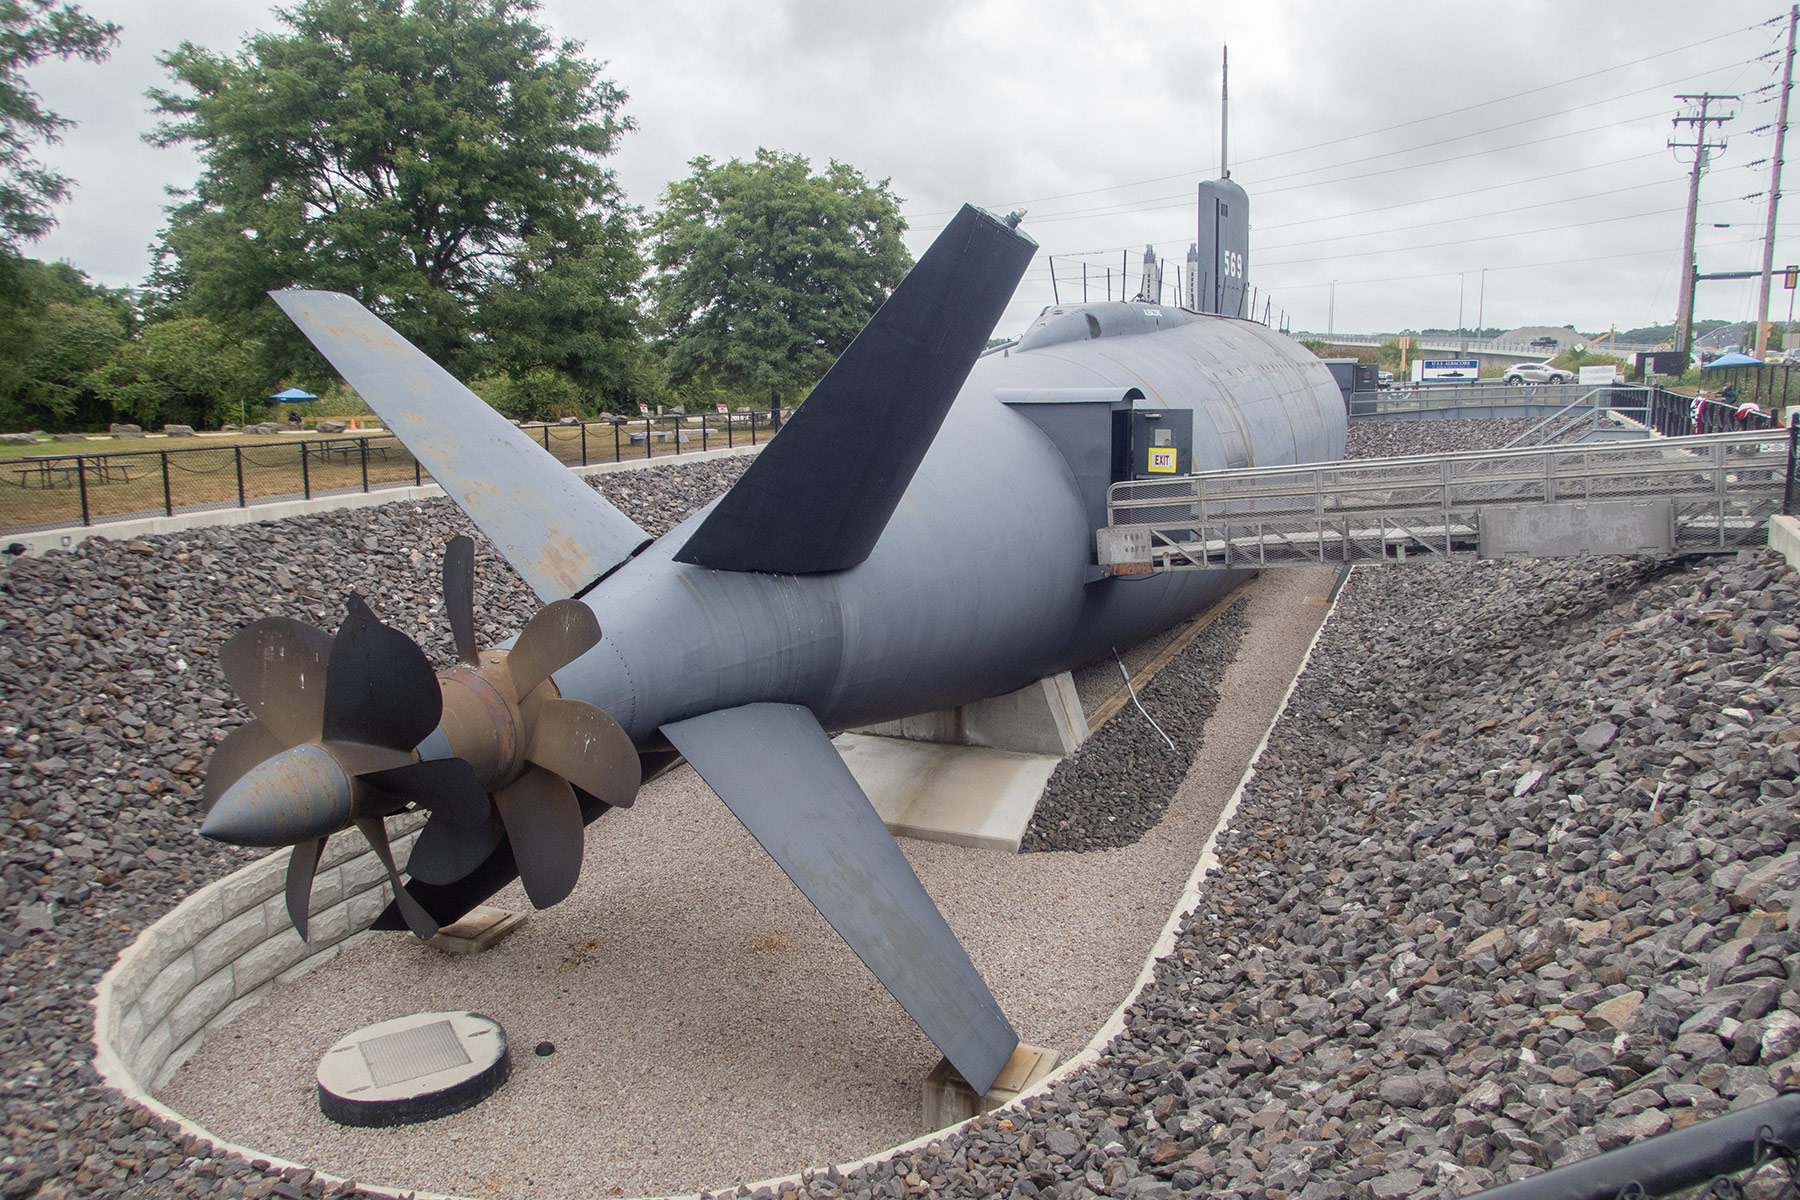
1732,359
292,396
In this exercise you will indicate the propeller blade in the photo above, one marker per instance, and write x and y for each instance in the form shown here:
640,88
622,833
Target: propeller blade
380,688
447,786
543,822
303,864
585,746
446,851
279,667
241,750
459,596
417,919
559,634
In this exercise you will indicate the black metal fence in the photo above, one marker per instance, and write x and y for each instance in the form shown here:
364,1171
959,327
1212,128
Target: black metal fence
1675,415
1759,1144
48,491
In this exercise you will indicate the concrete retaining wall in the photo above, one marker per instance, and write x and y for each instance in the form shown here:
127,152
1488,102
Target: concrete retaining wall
220,951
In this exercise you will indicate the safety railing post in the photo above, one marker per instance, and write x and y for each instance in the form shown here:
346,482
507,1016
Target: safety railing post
81,479
615,426
1787,491
647,450
363,445
237,456
584,461
168,495
305,472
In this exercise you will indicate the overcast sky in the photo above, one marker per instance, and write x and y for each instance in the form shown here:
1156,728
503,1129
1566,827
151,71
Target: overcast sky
1389,146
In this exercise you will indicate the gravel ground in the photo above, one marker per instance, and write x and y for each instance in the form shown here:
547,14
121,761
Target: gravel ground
1511,884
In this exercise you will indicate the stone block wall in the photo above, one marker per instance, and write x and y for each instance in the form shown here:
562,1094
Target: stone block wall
220,951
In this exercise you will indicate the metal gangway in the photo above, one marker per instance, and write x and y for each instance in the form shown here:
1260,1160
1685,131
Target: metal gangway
1696,495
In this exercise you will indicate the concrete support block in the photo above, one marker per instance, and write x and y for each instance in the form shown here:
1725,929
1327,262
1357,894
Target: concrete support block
238,1007
1044,718
268,960
247,889
152,1052
328,927
223,945
202,1003
166,990
482,929
365,906
137,967
128,1032
1784,538
327,890
194,918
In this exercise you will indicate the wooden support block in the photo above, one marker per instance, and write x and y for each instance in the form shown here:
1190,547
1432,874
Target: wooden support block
482,929
948,1099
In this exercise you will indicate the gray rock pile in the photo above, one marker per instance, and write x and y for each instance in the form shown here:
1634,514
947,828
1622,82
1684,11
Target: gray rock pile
1114,790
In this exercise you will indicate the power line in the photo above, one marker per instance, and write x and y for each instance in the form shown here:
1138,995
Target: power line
1582,78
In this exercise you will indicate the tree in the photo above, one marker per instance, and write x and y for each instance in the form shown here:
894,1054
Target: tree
31,31
55,328
766,271
437,159
186,370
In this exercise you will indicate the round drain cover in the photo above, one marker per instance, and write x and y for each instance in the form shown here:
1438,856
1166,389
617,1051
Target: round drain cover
412,1069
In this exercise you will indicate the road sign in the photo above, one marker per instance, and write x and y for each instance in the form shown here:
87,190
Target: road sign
1449,368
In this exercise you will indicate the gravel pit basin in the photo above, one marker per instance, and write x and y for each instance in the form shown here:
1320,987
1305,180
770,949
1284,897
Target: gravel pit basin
709,1026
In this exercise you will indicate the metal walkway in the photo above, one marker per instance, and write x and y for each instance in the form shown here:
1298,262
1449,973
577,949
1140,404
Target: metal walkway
1697,495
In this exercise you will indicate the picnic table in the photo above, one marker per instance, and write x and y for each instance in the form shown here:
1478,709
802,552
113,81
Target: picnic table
49,470
344,450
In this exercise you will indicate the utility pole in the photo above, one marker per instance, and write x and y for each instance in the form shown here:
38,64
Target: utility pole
1331,311
1462,339
1781,117
1690,270
1481,307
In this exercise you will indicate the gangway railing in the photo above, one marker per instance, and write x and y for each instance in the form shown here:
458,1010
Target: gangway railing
1709,494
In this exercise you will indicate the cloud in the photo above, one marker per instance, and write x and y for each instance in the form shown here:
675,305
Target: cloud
1100,118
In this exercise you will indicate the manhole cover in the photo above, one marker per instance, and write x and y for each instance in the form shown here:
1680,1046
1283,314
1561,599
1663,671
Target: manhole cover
414,1068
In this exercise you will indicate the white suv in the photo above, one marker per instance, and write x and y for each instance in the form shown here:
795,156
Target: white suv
1538,373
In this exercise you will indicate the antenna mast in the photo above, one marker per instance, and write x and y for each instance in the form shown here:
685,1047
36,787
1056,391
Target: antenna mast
1224,110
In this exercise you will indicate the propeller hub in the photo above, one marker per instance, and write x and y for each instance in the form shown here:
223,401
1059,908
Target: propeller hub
481,720
297,795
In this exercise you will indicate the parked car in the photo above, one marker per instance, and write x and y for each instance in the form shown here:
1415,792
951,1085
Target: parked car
1545,340
1384,379
1541,372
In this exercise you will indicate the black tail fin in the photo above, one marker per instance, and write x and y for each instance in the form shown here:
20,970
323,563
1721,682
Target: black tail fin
819,496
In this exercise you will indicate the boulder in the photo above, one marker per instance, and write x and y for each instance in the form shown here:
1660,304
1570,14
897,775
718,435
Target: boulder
179,430
327,425
71,437
19,439
121,430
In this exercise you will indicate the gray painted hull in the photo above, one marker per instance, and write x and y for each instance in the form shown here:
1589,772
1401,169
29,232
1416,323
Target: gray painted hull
980,581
